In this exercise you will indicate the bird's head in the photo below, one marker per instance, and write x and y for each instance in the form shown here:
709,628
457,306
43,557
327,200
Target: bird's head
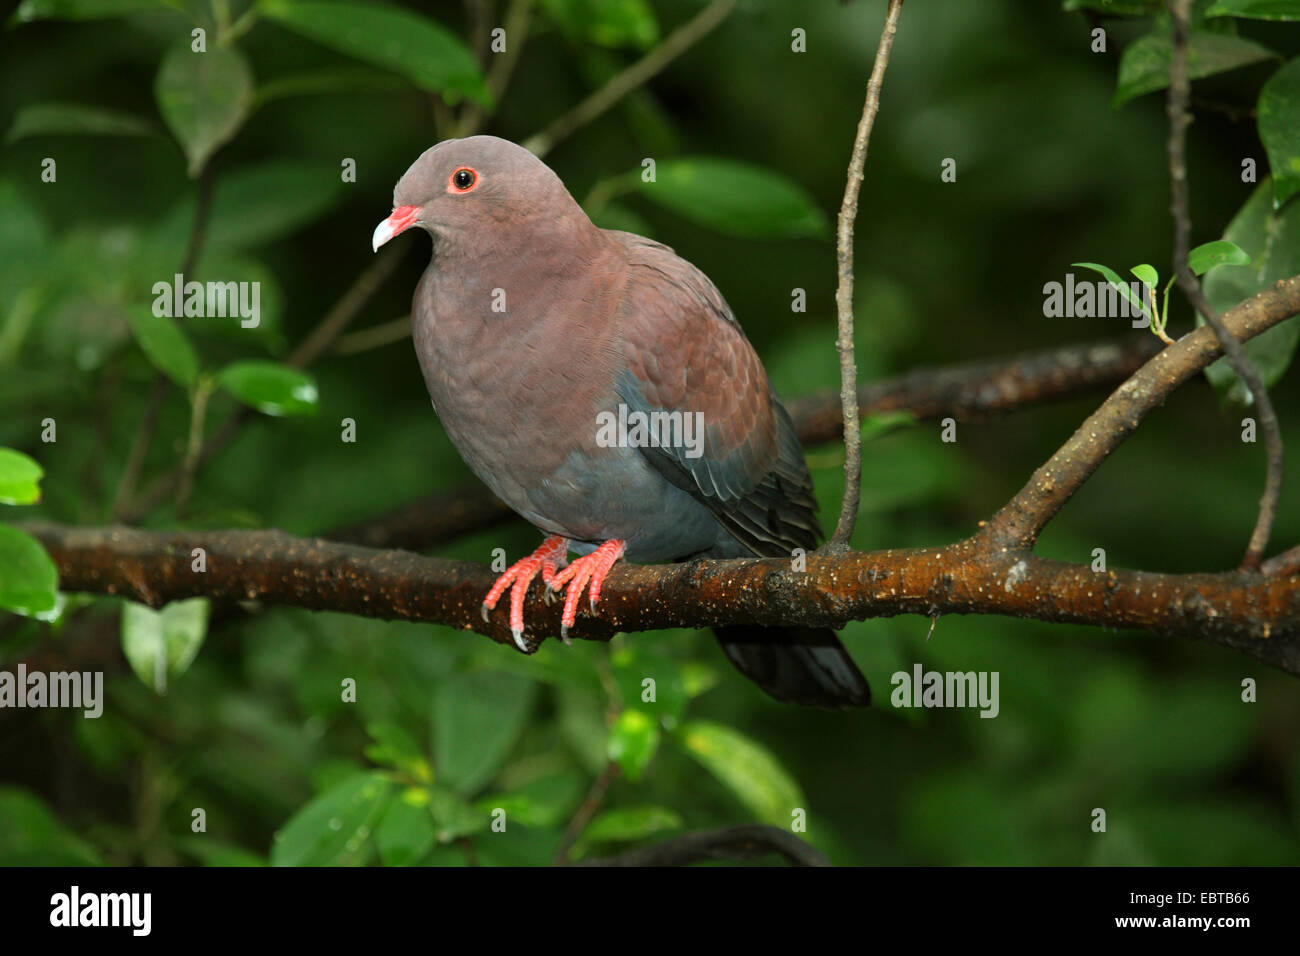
480,186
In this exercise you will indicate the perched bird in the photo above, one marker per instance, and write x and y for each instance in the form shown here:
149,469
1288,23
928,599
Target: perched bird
547,342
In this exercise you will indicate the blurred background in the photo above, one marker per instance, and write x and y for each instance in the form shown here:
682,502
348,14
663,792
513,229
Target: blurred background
448,726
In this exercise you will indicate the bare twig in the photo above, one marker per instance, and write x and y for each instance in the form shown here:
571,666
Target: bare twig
1179,14
518,16
139,452
374,337
673,46
747,841
844,294
595,797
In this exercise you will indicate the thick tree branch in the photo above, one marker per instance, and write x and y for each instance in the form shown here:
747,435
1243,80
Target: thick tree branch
1257,615
1019,523
844,292
749,841
967,391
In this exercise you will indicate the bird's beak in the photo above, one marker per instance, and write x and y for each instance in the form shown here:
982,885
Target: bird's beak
403,218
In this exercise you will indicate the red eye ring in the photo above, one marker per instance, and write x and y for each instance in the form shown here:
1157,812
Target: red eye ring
463,179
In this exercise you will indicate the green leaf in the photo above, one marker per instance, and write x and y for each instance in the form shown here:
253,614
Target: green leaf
1220,252
641,672
31,835
477,717
46,119
261,203
270,387
317,82
735,198
631,823
1271,237
1127,8
180,628
165,345
1147,275
453,816
1256,9
20,478
334,828
882,423
611,23
1279,129
405,832
1114,279
1144,67
203,97
28,578
30,10
747,769
633,742
396,748
420,49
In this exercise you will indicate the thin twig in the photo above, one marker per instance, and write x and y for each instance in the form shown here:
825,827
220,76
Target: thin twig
844,294
1180,14
595,797
518,16
374,337
139,452
673,46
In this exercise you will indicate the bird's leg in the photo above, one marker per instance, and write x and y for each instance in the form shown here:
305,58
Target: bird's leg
547,559
592,567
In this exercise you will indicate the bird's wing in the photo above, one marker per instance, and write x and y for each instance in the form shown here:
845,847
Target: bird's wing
684,352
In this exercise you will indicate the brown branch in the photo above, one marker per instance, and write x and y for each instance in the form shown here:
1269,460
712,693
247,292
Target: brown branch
844,293
1021,520
748,841
590,804
971,390
673,46
1285,564
1257,615
1179,118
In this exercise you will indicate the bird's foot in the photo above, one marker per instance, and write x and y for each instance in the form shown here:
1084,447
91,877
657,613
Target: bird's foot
590,568
547,559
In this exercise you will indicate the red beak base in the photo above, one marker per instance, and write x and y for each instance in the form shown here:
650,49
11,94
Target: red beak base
403,218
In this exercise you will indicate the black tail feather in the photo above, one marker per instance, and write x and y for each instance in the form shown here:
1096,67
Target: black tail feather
798,665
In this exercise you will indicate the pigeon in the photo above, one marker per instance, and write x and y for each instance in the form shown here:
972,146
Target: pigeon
600,385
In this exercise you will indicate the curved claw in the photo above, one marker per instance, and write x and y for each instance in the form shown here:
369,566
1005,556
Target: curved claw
517,577
590,568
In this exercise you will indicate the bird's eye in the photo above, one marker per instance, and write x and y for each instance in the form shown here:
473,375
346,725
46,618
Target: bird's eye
464,179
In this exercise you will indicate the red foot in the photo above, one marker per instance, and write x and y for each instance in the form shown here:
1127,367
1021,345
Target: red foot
547,559
592,567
